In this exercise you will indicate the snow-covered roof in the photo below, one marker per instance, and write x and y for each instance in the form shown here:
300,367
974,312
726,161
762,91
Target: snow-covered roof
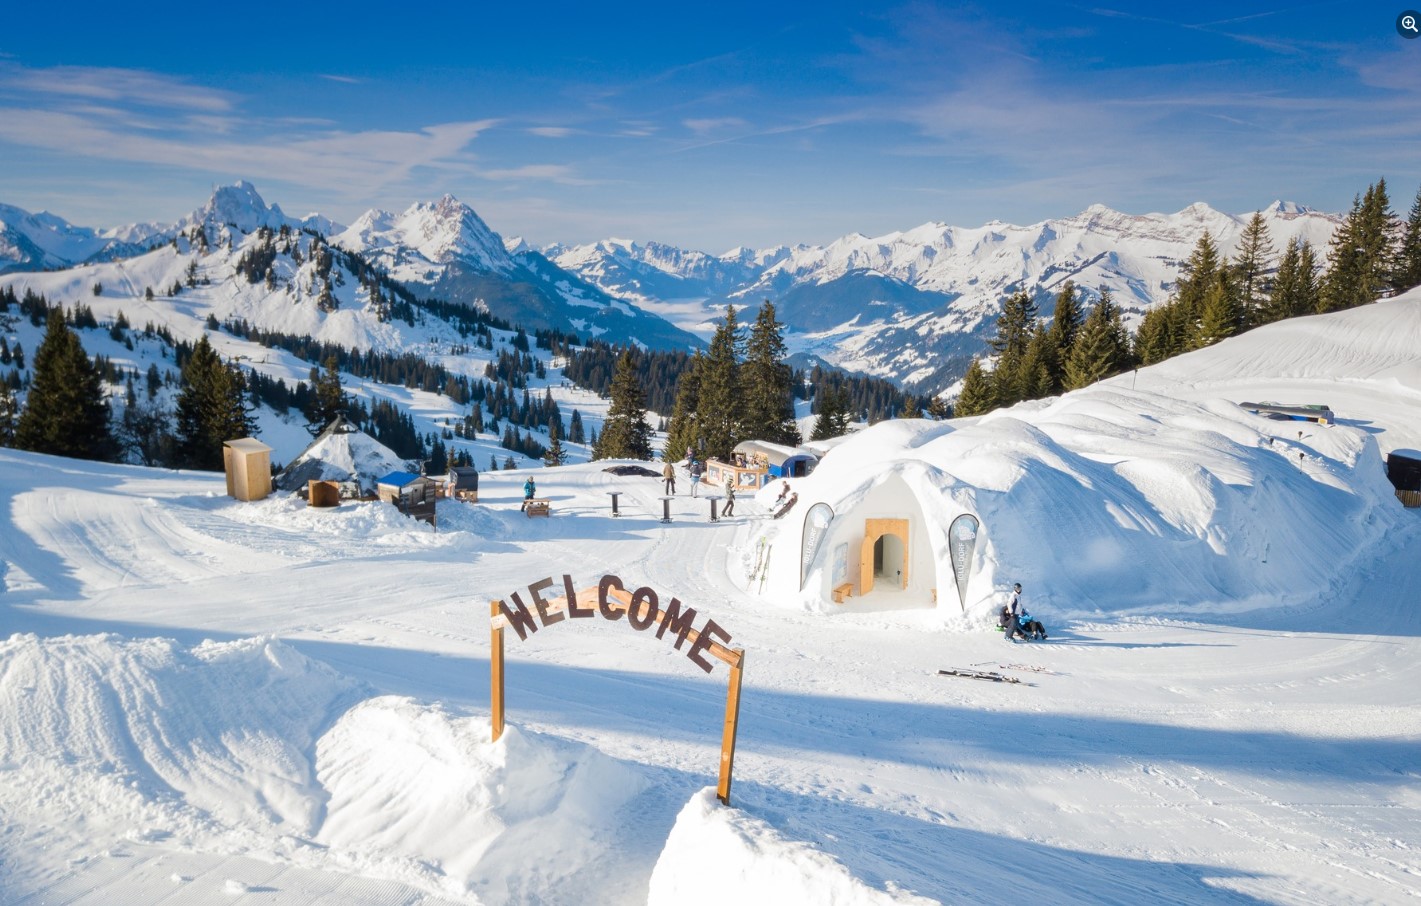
777,454
341,453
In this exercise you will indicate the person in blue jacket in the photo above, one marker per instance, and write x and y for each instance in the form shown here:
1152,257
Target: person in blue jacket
530,488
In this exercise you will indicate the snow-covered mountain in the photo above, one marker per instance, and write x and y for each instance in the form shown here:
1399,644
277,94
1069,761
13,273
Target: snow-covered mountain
439,249
912,305
444,249
44,241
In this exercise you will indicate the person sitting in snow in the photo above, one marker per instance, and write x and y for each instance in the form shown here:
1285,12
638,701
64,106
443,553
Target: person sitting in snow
530,488
729,495
1011,615
788,505
784,492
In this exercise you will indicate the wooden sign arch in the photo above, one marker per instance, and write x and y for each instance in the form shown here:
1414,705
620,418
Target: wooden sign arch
643,609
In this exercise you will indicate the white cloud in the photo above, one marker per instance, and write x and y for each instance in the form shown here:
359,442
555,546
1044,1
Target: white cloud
553,131
116,85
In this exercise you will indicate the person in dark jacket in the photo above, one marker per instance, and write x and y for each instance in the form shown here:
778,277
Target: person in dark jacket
729,495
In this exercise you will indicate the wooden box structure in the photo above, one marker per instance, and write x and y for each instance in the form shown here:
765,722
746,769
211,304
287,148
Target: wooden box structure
247,462
464,483
538,506
323,493
885,546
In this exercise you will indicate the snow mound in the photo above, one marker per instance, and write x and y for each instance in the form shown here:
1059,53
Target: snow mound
414,783
1233,511
225,728
753,863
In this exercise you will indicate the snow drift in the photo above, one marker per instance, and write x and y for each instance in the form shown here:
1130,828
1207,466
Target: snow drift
754,863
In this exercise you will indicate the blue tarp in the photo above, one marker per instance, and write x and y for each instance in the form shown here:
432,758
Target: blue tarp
399,479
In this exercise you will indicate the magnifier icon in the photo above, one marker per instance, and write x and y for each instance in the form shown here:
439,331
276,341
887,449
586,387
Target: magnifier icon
1408,23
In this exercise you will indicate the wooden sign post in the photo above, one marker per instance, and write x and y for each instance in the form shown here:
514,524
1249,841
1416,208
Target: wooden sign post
642,608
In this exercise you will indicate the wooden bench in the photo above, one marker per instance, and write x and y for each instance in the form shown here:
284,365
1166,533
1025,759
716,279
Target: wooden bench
841,592
538,506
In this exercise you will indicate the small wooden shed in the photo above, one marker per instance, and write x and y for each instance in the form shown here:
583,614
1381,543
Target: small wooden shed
247,462
464,483
414,495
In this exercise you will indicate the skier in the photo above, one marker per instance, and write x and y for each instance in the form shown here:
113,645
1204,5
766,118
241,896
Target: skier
530,488
1012,613
669,473
729,495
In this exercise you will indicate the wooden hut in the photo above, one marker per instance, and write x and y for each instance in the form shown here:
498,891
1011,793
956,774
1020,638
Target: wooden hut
247,462
1403,468
414,495
464,483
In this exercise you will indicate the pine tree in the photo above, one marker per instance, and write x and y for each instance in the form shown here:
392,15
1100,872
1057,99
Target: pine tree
683,433
834,417
719,403
212,409
1065,325
575,433
1251,263
1406,271
625,434
1196,276
1033,381
9,415
66,413
1295,286
328,397
1222,316
1361,257
767,412
1101,350
555,456
979,392
1015,326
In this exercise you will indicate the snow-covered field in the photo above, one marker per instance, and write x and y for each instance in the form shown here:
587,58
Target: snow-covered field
210,701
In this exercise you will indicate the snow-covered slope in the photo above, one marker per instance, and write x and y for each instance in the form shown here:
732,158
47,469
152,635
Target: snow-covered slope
896,305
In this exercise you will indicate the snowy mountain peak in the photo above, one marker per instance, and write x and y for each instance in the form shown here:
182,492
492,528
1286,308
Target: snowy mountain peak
239,205
1288,208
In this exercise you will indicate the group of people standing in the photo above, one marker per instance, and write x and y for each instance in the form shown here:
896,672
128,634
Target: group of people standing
697,471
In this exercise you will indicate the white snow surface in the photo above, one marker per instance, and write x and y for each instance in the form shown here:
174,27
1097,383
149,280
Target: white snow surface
203,700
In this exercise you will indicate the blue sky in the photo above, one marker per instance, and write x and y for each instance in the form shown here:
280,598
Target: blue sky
710,127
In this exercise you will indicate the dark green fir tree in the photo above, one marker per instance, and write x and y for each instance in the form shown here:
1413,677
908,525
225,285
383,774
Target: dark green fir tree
625,434
212,409
66,412
767,411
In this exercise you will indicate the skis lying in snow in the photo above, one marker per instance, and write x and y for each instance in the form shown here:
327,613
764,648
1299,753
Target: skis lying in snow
989,675
1032,667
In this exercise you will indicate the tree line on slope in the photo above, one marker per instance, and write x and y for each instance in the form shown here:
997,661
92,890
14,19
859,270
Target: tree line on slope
741,388
1372,255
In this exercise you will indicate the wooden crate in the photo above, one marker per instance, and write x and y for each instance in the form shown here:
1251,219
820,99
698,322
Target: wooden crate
322,493
537,507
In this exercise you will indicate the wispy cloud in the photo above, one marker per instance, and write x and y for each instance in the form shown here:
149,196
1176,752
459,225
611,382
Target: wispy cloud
552,131
348,80
333,160
556,173
713,124
134,86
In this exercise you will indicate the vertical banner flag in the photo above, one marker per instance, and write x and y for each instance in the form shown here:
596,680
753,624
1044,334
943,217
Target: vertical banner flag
962,539
816,524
